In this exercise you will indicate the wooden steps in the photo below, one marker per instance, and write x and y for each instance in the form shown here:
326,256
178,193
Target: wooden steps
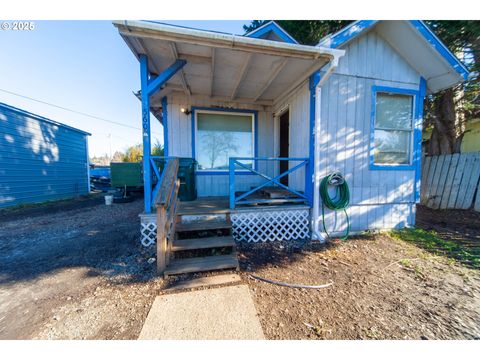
198,264
203,225
203,243
189,255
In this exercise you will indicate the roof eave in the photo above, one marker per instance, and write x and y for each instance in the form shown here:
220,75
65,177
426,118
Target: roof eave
202,37
274,27
353,30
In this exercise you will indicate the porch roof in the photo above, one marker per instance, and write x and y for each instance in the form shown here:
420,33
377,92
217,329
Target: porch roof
223,66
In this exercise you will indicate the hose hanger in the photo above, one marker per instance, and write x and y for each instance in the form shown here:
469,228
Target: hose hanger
340,200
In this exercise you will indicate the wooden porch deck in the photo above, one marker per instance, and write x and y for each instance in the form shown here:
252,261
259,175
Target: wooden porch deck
220,205
205,205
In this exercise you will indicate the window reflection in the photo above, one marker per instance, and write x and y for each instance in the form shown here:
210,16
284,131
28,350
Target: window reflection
393,128
221,136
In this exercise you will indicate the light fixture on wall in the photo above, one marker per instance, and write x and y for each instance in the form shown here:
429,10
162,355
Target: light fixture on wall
185,111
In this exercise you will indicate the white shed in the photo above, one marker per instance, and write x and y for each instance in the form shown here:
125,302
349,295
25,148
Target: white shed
262,114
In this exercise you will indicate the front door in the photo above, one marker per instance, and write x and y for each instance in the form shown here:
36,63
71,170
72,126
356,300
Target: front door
284,144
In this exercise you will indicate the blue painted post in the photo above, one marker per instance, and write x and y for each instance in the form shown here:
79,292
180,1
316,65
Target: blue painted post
231,173
147,178
310,169
155,84
418,137
149,86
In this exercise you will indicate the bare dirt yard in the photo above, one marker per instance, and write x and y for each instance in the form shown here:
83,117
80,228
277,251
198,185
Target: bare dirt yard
76,270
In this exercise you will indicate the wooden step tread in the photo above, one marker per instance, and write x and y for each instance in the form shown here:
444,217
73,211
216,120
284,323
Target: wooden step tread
216,280
203,243
203,225
198,264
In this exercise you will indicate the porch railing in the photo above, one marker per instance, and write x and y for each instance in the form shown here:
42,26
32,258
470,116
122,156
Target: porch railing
166,203
235,162
158,174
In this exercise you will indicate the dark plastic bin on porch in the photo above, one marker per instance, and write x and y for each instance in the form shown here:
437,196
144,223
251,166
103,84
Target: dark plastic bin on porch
186,174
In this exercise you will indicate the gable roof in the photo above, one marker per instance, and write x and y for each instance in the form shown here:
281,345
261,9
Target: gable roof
272,31
5,107
414,40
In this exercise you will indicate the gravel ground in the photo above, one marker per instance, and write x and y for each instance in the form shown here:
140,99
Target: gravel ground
76,270
74,274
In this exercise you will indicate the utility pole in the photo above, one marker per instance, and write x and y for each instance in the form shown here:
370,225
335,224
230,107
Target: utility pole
110,142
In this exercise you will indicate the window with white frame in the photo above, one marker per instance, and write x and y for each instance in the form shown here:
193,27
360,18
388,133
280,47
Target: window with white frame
220,135
393,129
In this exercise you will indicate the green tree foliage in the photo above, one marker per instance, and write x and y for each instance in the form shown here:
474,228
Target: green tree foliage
307,32
447,112
157,149
135,153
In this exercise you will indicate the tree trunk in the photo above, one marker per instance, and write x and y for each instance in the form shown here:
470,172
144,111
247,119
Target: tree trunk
444,135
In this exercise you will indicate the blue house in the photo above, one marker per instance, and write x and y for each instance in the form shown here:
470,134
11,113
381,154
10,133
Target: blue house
261,111
40,159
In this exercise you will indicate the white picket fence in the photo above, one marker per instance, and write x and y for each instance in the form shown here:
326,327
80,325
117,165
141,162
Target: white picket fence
451,181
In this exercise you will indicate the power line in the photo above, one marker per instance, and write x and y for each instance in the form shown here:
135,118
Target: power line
74,111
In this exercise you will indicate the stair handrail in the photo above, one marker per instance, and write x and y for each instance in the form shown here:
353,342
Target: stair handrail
166,203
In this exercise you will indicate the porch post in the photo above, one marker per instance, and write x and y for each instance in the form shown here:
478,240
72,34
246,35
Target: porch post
149,86
147,178
309,173
231,173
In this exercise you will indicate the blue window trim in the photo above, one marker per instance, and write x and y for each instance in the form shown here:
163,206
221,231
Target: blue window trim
274,27
416,125
255,141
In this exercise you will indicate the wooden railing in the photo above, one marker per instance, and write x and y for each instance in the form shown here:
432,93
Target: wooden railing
236,162
166,203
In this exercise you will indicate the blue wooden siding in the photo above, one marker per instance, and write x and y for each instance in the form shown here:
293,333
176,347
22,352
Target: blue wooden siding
40,160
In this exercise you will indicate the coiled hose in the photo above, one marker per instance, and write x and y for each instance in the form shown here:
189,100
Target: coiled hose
339,202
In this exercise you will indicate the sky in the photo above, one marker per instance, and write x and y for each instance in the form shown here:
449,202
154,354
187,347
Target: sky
84,66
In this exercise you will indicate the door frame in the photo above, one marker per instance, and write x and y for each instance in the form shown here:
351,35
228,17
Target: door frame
277,116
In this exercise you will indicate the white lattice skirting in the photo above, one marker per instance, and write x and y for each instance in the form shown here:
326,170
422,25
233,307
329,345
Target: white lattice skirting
271,225
250,226
148,229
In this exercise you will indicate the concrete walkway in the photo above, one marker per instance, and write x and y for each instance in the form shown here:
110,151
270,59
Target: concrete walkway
226,313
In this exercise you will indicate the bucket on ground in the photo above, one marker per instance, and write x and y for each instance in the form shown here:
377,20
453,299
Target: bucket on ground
108,199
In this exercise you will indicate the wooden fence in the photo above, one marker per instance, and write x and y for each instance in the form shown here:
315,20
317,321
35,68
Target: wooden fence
451,181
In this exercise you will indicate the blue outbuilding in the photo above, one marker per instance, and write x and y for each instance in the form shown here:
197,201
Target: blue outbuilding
40,159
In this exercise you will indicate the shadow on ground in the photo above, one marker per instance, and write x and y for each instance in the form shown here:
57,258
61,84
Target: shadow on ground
80,233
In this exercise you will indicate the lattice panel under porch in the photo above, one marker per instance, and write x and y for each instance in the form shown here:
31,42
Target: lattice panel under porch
148,233
274,225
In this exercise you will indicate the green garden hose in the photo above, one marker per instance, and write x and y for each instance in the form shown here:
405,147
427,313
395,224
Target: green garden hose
339,202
